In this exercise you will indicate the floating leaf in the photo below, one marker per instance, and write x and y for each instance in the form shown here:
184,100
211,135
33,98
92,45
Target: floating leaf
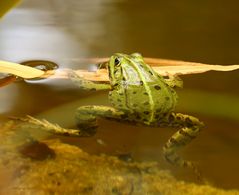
13,68
189,69
20,70
161,66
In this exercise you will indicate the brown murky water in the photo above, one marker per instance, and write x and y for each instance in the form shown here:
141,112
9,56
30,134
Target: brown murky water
187,30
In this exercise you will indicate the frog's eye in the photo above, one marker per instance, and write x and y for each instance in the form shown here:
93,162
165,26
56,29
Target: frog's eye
117,61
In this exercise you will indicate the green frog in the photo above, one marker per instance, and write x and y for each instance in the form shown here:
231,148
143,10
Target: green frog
139,95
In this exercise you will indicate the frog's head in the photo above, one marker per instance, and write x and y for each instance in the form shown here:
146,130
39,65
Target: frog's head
121,67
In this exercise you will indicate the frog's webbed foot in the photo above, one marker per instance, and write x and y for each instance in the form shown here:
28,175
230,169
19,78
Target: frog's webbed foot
190,127
50,127
174,81
86,116
87,84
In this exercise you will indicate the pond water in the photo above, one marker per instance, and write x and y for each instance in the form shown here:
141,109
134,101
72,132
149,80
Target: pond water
185,30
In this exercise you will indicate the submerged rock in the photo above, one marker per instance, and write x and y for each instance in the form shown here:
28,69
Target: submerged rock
36,150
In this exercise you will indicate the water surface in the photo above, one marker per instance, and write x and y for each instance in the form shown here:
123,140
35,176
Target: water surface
186,30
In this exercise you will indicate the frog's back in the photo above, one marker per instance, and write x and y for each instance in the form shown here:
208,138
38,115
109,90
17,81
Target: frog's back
144,95
152,104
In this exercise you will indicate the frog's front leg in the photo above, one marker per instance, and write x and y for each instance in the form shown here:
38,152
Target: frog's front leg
87,84
190,127
86,116
174,81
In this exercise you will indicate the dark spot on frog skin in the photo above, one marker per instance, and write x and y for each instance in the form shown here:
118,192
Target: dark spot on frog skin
134,92
115,71
156,116
165,114
145,93
184,133
167,98
146,103
141,82
173,141
170,118
134,105
137,116
158,110
116,84
189,122
146,112
150,73
141,65
194,128
172,91
119,100
124,116
157,87
121,94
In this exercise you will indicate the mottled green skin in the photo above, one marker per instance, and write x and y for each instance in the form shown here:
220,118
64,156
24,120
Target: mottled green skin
139,95
138,90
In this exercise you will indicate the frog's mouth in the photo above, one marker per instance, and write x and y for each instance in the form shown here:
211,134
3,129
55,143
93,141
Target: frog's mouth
110,69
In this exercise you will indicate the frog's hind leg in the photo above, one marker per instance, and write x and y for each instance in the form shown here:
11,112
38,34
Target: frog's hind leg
86,116
190,127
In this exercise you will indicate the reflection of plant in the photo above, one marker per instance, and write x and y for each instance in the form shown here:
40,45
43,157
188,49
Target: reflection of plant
6,5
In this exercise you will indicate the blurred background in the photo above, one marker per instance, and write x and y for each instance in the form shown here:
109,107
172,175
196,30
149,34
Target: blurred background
66,31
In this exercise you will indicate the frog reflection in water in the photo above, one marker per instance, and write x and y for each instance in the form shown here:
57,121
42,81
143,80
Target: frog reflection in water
140,95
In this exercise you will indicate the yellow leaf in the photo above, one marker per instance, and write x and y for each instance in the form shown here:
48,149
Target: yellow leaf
162,66
6,5
189,69
20,70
